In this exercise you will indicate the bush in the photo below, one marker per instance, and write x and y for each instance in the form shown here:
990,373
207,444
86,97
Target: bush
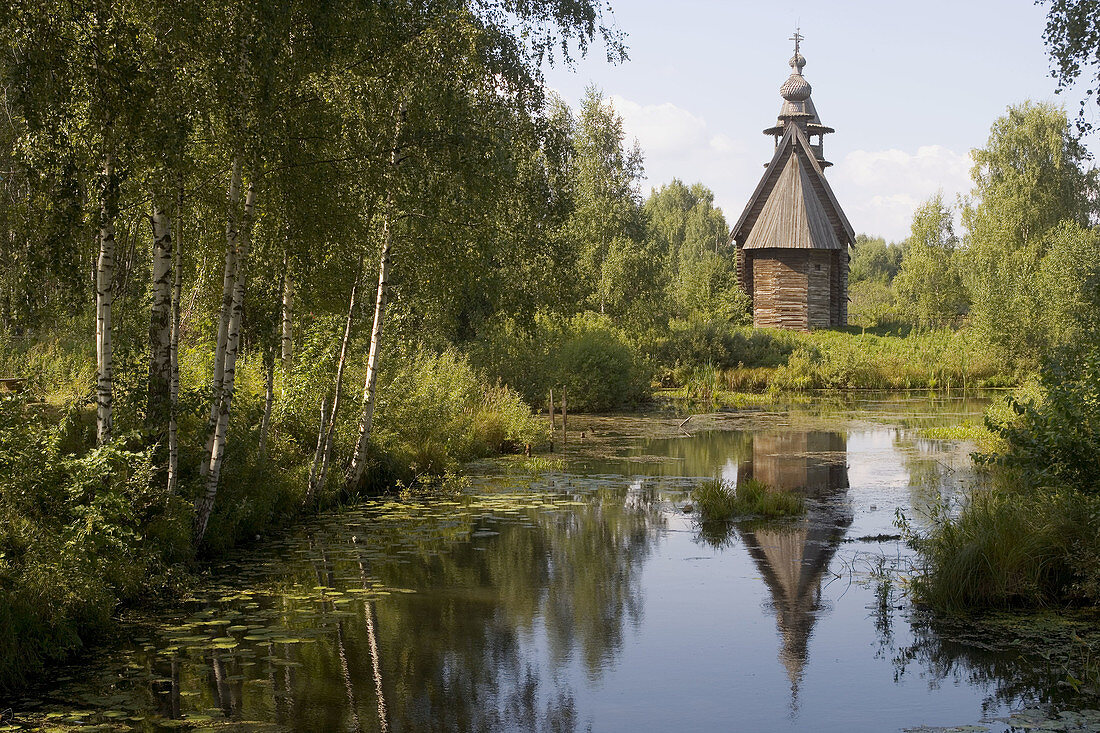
599,371
593,360
436,410
691,345
1055,440
79,534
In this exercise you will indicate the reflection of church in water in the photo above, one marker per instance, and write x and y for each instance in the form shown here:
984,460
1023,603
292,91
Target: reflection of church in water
794,558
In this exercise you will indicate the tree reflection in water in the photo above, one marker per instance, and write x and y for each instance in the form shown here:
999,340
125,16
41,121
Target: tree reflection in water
514,597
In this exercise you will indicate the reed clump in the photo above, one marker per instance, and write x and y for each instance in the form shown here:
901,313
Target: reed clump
722,500
1012,548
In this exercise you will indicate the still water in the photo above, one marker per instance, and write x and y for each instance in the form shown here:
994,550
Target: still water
577,594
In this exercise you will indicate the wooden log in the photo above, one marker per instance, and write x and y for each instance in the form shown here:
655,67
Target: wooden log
15,385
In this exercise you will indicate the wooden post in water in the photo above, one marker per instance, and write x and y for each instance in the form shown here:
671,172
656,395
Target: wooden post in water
564,434
552,425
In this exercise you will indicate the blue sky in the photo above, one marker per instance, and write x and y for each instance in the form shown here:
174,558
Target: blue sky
911,88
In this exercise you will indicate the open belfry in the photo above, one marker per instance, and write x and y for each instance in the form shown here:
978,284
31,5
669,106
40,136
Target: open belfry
792,238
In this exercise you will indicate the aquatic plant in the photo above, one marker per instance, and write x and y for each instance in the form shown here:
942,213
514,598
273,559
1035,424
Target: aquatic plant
722,500
1010,548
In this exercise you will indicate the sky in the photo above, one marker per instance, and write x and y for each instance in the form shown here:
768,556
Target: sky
911,89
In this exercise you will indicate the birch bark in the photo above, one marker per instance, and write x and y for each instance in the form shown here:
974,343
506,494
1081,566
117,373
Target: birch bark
287,352
160,323
359,458
174,350
269,399
326,455
105,294
205,503
232,245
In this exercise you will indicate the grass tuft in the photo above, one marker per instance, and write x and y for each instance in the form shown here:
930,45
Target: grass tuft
1008,549
721,500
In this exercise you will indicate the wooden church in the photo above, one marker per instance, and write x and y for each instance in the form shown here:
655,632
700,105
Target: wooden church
792,238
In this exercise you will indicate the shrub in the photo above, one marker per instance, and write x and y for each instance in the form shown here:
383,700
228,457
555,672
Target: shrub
592,359
79,534
1055,440
435,410
599,371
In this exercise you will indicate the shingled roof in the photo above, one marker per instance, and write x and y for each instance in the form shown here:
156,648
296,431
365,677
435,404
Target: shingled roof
793,206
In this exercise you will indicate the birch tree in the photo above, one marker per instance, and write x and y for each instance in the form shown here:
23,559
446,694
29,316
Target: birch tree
224,400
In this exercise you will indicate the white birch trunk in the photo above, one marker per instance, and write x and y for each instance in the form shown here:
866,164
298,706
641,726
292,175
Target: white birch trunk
287,352
232,350
269,400
330,432
160,323
366,419
232,245
174,350
315,468
105,294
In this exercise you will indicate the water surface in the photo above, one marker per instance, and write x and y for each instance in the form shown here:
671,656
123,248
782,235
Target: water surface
576,593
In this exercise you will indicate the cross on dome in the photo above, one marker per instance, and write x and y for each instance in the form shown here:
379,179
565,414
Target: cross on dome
797,38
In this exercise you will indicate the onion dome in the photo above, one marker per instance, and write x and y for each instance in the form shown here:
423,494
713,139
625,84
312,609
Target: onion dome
796,88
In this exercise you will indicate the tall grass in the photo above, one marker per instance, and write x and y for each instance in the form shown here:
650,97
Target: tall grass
722,500
1010,548
699,355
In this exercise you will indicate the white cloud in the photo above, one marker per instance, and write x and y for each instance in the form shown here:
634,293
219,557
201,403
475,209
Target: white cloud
879,189
660,128
678,143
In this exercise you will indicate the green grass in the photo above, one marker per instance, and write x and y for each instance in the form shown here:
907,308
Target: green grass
976,433
1012,549
709,358
721,500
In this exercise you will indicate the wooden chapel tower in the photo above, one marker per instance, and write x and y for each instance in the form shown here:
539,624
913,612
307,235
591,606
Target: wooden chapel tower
792,238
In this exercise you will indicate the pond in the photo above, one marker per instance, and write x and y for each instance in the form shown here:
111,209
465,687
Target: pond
577,592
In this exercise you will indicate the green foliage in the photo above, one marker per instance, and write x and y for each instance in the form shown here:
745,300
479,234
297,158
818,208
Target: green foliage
1071,35
435,411
1033,194
607,223
692,344
754,359
79,534
722,500
58,369
928,286
874,259
593,360
684,226
599,371
871,304
1054,441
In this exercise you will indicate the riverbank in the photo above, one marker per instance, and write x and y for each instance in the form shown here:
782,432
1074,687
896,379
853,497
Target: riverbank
87,531
706,359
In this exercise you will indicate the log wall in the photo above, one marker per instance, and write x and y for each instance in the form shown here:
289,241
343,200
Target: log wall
798,289
779,288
